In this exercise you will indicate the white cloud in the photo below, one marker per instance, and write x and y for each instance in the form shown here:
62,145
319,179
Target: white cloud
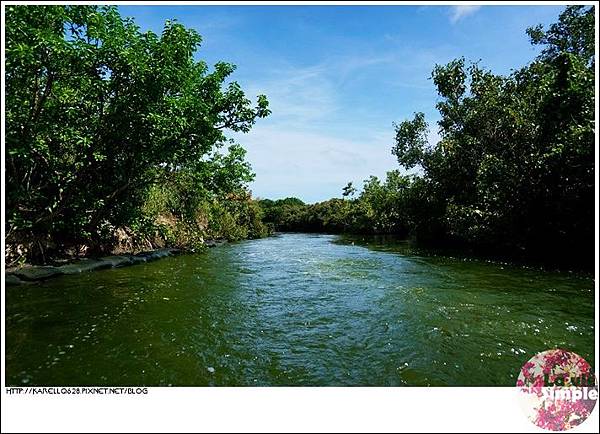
457,13
312,165
314,142
297,95
302,95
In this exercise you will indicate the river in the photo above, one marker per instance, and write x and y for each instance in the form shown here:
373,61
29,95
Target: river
296,309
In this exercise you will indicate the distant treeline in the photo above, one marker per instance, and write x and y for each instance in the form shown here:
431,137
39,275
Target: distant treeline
513,172
115,137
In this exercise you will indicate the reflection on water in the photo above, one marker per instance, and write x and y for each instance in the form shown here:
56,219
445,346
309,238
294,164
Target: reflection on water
296,309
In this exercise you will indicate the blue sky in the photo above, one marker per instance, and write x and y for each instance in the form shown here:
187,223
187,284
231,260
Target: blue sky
337,77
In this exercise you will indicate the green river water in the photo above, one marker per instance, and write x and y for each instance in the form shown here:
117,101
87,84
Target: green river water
295,310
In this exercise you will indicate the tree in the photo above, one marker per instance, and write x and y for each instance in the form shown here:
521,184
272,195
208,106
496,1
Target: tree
97,112
573,34
513,170
411,138
348,190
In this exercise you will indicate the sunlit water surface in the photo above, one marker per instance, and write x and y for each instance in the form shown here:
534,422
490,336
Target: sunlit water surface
296,309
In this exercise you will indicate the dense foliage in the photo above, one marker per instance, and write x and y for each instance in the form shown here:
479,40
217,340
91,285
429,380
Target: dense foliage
381,208
513,172
110,127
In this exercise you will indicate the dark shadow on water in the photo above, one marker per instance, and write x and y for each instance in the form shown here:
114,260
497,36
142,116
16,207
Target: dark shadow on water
408,247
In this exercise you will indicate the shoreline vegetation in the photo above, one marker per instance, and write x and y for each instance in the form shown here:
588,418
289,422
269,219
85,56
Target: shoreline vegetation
116,143
115,138
512,174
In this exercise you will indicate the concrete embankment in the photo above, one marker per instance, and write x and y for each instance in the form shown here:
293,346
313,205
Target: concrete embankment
34,273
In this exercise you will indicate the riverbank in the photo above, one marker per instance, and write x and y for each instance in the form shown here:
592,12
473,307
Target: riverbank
28,273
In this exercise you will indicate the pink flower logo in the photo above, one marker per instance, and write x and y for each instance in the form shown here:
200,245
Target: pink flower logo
558,389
